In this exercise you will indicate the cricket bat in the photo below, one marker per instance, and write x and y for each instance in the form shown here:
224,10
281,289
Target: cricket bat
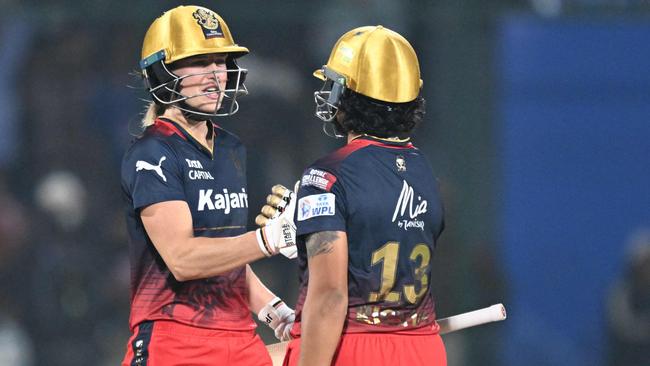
454,323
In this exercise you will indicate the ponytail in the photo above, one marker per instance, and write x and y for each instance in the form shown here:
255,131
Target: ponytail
152,112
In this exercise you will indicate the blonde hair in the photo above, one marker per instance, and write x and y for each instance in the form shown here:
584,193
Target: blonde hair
152,112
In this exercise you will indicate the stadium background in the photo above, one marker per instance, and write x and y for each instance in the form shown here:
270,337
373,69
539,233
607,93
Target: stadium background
537,127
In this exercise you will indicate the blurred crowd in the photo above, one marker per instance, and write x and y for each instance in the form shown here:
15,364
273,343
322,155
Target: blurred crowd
70,94
64,265
628,307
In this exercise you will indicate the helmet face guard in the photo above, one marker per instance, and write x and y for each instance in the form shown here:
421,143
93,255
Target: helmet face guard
164,87
328,98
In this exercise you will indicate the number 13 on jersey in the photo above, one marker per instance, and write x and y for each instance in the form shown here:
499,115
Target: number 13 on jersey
388,256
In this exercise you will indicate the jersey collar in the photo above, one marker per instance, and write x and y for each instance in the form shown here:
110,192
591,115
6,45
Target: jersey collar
169,124
390,141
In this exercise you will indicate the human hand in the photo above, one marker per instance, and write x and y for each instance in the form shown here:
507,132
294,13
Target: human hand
277,233
279,317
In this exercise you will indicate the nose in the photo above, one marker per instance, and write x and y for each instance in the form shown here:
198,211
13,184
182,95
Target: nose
218,71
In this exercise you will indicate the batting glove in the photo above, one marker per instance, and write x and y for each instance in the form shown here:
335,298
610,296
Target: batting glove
278,229
279,317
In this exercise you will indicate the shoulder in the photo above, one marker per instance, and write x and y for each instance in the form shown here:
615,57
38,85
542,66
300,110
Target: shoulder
148,145
150,148
324,172
333,161
227,138
352,154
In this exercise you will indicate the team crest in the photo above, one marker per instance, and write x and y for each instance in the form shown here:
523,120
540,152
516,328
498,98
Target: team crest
209,23
400,163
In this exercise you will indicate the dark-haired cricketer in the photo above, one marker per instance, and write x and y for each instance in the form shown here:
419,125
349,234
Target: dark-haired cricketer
368,216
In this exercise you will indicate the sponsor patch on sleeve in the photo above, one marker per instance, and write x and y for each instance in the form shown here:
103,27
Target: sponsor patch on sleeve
316,205
319,179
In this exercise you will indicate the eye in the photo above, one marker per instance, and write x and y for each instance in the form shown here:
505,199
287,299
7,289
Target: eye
220,61
201,62
208,62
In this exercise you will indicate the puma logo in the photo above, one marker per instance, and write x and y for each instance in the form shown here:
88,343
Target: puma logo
140,165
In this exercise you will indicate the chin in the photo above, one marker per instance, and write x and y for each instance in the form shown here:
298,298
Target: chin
207,108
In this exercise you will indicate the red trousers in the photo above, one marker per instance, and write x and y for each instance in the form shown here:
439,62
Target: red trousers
381,349
167,343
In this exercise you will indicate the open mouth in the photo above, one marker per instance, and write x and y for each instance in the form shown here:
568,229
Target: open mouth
212,92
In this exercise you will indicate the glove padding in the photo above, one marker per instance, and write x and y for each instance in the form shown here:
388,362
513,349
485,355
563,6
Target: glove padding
279,317
278,230
276,203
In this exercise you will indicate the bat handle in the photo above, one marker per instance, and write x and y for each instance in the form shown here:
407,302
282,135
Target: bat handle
489,314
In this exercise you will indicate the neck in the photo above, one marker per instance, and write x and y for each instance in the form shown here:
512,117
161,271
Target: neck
190,125
352,136
198,129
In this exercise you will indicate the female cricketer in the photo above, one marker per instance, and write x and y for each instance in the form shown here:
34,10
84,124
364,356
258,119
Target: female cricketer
368,216
192,291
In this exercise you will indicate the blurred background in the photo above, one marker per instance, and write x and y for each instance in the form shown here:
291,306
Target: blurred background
537,127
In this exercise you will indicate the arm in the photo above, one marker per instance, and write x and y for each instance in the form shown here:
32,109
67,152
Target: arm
258,294
326,304
169,225
269,308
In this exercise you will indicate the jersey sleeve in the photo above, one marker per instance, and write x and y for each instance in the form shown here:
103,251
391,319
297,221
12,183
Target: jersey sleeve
152,174
321,203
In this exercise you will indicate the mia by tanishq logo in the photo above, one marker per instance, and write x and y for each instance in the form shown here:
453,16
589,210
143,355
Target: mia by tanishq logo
404,203
143,165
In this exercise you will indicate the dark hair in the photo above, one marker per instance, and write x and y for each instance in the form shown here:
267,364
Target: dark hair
378,118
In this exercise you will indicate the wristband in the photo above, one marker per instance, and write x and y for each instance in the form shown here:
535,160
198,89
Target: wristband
262,242
270,314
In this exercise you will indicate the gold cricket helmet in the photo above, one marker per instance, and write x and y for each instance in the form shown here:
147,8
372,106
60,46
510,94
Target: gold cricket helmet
183,32
376,62
188,31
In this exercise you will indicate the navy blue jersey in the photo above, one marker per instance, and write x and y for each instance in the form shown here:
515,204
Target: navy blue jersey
384,196
168,164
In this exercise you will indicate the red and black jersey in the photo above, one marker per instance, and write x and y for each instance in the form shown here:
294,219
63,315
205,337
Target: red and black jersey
384,196
167,164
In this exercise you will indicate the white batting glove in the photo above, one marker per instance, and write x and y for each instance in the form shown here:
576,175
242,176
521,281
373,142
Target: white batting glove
276,202
278,231
279,317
